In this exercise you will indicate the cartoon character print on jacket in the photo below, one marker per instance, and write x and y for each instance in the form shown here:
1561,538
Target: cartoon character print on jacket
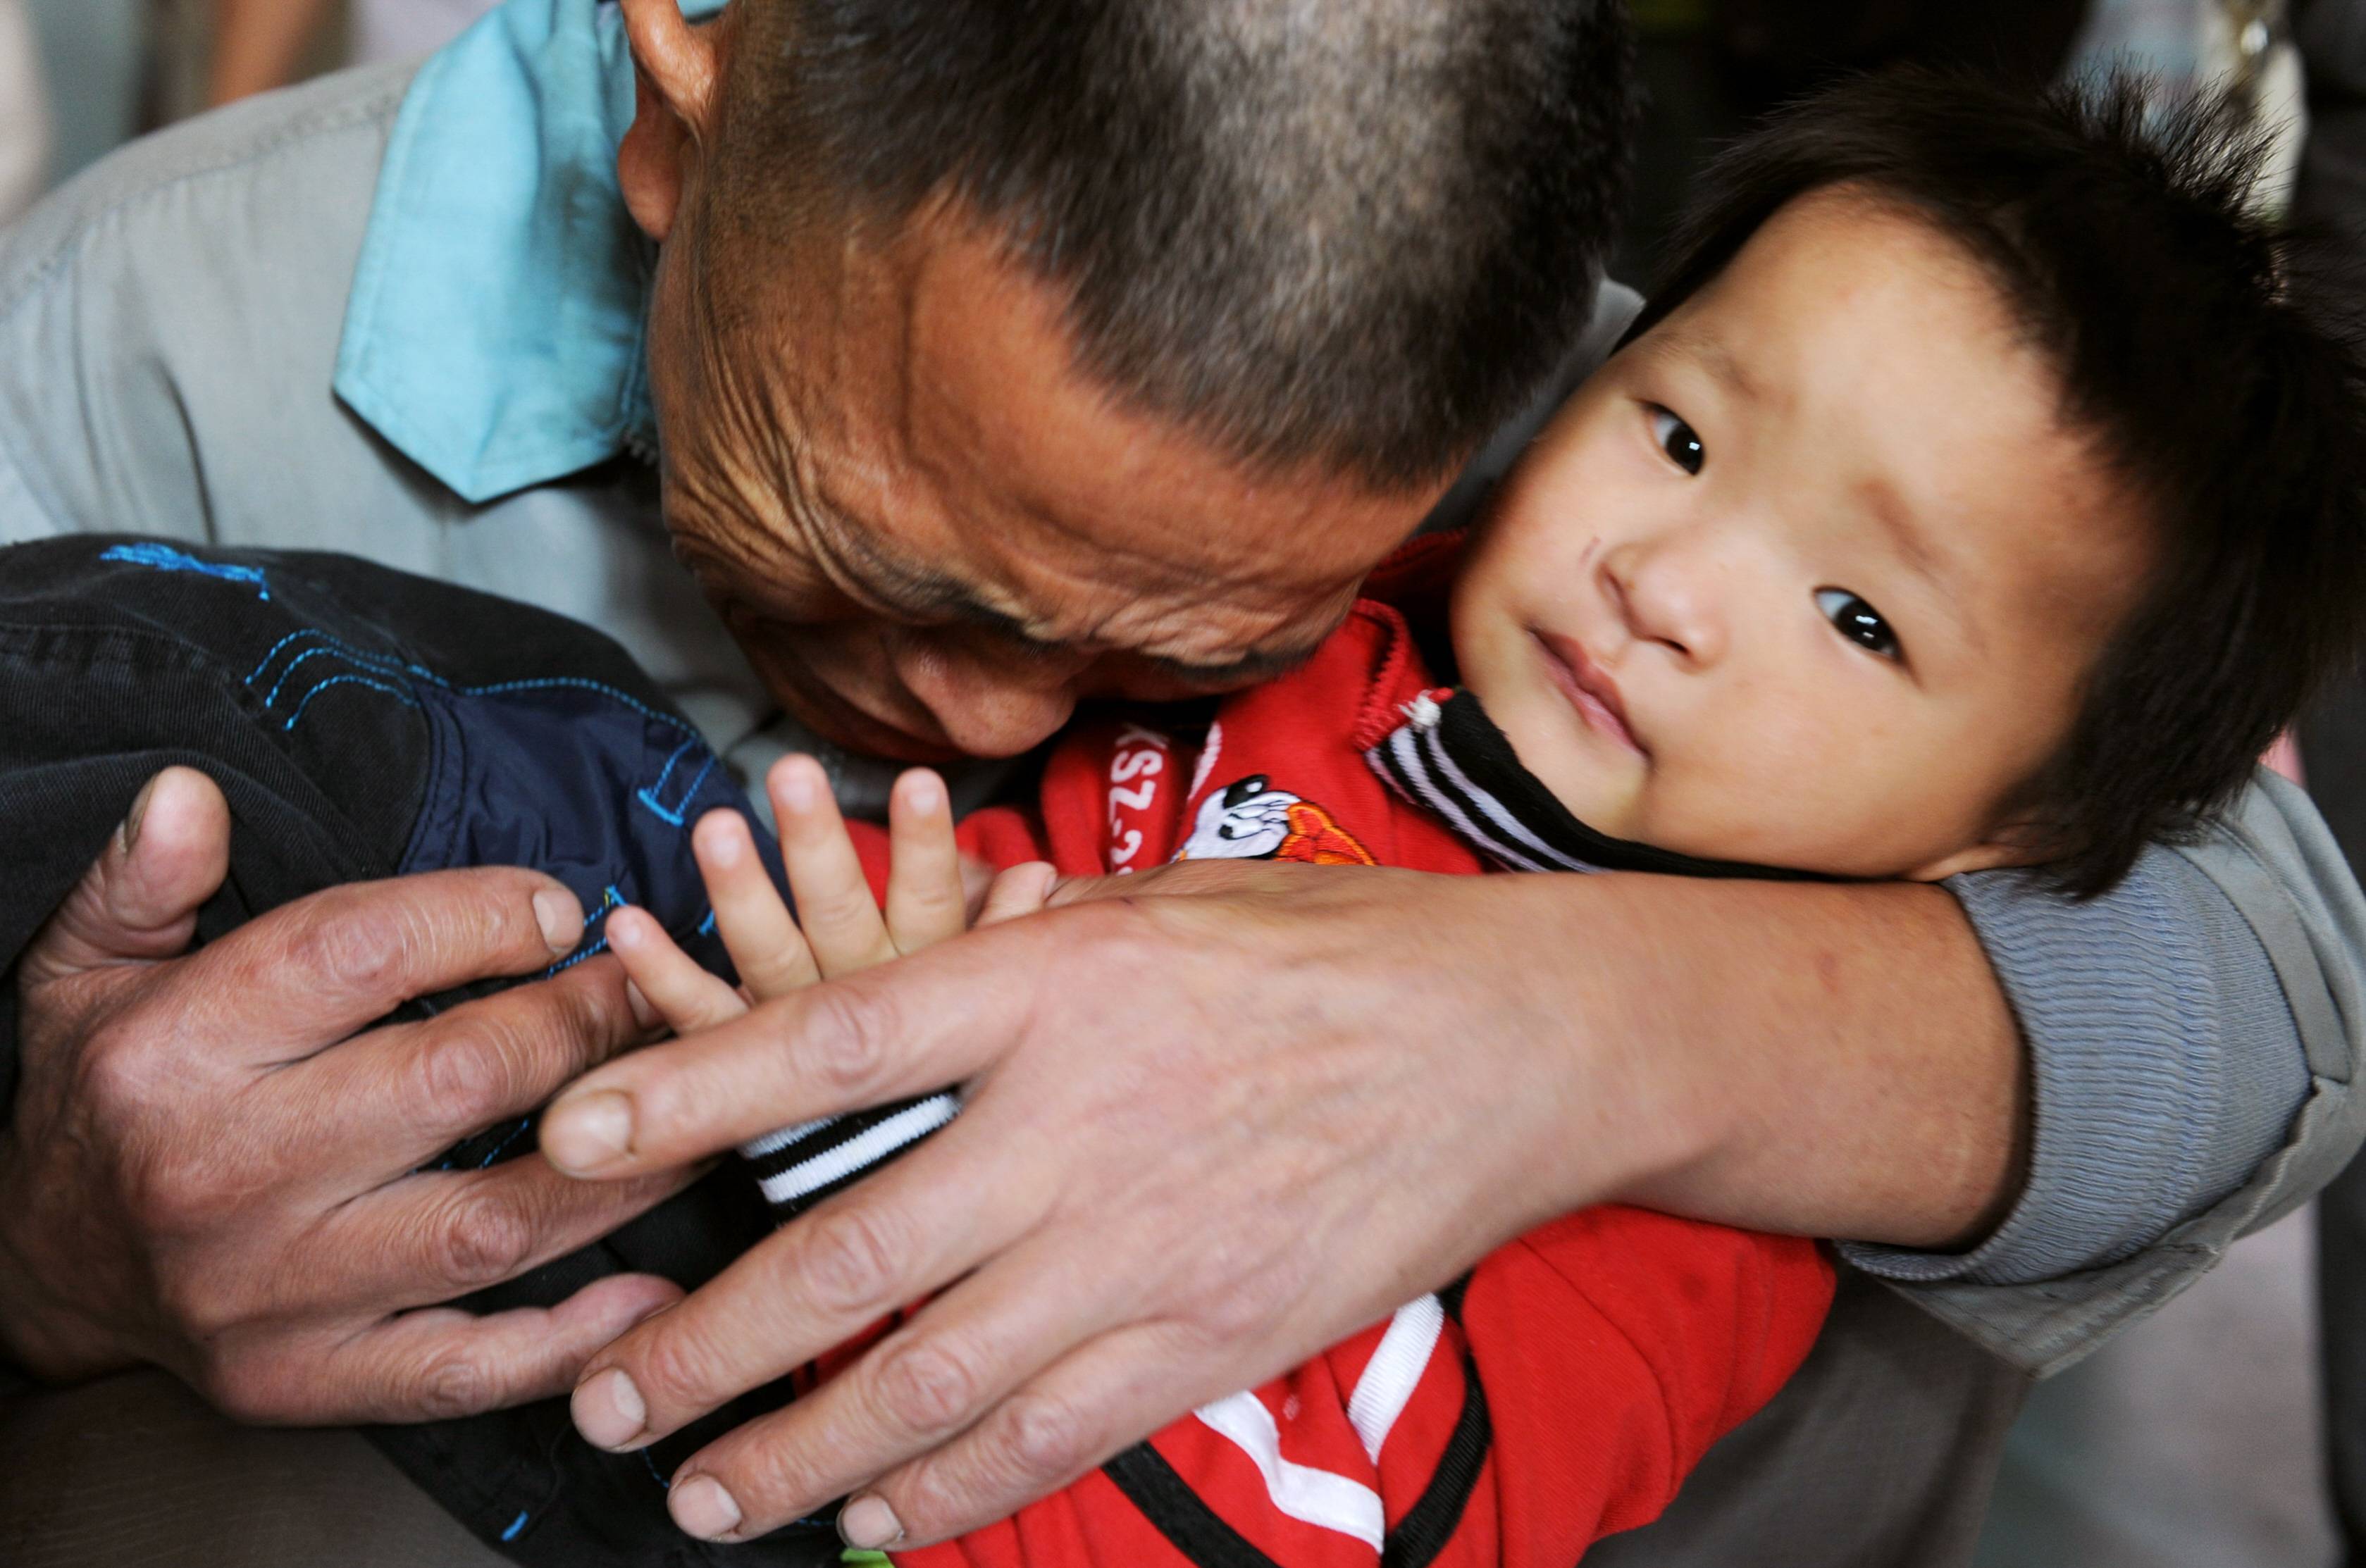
1251,820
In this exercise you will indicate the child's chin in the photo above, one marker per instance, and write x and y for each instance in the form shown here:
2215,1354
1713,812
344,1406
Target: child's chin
1600,790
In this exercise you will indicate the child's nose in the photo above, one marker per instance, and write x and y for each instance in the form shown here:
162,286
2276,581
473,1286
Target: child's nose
1665,592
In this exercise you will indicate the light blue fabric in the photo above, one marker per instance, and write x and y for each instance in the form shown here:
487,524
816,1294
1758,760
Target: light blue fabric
494,334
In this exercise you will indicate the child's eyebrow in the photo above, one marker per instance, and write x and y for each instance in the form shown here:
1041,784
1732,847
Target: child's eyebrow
1914,545
1897,519
1718,361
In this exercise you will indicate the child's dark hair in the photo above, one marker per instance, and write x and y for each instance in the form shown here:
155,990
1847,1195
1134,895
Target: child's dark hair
2120,229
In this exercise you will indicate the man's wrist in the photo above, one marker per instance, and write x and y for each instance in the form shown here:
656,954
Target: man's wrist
1644,1121
1806,1059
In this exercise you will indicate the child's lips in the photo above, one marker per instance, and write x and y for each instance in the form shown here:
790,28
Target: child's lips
1589,690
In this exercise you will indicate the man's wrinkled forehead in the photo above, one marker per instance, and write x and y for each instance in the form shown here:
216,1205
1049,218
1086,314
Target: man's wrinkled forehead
1209,628
952,454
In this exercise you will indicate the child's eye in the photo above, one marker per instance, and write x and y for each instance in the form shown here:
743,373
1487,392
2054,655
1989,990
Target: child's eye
1677,439
1858,621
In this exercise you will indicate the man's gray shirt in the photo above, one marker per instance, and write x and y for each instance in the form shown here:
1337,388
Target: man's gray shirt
169,327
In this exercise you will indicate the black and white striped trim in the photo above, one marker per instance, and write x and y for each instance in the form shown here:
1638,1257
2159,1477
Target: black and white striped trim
798,1166
1448,757
1414,760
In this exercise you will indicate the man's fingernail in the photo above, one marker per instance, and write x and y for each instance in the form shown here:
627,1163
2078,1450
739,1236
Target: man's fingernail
137,814
868,1524
644,1014
562,927
609,1410
589,1131
703,1508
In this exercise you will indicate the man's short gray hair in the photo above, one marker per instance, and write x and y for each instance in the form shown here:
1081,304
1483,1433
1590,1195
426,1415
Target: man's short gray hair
1350,232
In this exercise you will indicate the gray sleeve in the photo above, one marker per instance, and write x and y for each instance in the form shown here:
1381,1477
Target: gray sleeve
2190,1038
168,323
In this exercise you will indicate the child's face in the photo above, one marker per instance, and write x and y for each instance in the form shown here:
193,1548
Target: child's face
1812,574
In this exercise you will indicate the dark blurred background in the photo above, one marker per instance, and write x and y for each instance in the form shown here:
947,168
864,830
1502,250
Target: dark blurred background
1712,66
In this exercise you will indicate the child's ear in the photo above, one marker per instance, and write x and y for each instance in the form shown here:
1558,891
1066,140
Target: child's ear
2000,851
677,78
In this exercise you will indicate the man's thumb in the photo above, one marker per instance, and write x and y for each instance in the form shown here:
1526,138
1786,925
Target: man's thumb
139,901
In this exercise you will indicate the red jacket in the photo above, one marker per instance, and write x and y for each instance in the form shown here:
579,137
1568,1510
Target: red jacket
1560,1393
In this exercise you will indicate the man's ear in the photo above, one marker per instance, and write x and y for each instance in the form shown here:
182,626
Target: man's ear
677,77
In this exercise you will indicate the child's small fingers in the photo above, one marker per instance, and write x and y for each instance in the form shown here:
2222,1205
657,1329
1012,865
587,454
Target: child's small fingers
977,877
1020,891
763,941
834,905
685,996
925,901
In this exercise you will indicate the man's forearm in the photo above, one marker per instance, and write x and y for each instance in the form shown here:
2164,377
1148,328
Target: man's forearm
1828,1061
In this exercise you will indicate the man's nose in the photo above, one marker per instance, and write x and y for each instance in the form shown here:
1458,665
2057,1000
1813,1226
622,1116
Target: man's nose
1666,590
989,704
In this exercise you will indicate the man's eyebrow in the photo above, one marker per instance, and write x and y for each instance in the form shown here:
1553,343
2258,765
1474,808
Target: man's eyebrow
922,591
1247,668
926,590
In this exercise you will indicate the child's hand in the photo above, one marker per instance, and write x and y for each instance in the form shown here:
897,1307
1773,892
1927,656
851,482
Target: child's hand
838,928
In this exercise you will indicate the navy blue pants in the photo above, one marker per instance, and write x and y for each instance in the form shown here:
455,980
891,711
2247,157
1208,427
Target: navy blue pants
366,723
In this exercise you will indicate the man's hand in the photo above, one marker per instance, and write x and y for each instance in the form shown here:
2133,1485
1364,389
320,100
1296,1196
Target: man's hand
203,1171
1228,1115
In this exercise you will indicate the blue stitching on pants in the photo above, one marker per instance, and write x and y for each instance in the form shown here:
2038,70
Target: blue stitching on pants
659,788
679,813
609,898
385,667
164,558
636,704
403,697
372,660
498,1150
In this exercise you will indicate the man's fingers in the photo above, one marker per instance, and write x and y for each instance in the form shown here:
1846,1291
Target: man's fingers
139,901
684,995
1100,1398
323,966
441,1363
441,1235
954,1364
813,1284
834,903
764,943
909,1028
925,902
410,1091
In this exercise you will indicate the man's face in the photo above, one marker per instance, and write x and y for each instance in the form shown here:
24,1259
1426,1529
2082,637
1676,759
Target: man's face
931,532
